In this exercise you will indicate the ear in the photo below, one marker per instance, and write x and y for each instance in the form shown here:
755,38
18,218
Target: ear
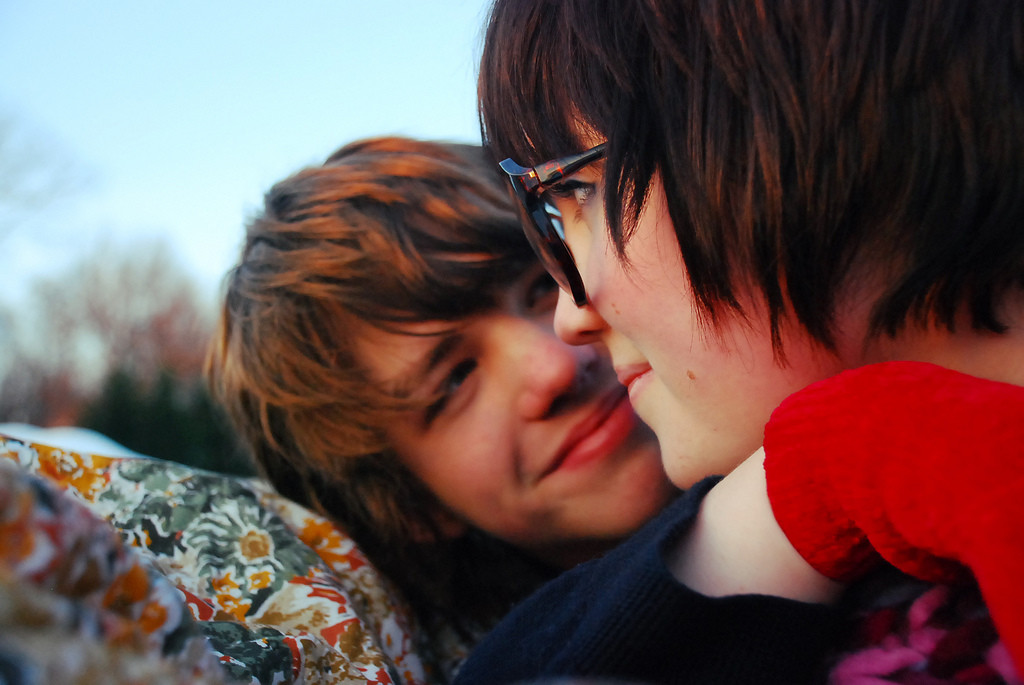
450,525
446,523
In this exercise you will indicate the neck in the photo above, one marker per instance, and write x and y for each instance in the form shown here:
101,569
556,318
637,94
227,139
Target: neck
566,555
994,356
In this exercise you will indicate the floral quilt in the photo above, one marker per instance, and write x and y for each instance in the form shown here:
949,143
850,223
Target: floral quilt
159,572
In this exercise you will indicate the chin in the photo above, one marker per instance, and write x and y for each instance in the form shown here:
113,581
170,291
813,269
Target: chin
674,465
650,419
683,469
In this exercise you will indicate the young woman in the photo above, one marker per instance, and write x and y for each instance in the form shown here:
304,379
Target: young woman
748,198
386,349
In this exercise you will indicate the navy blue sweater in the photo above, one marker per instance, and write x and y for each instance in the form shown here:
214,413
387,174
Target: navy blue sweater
624,616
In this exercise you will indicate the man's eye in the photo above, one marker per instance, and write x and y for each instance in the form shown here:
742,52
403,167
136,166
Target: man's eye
449,386
541,294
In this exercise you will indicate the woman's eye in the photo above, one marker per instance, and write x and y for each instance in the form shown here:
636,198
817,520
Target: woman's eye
572,189
449,387
582,193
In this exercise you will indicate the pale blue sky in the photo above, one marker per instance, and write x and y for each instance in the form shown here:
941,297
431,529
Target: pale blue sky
181,113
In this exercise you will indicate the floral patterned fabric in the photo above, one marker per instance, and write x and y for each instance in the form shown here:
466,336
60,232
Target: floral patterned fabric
270,591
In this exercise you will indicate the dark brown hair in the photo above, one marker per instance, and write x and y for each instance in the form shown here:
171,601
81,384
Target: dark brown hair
797,141
387,231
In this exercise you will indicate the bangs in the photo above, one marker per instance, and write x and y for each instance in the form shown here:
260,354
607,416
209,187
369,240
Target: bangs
424,277
396,231
556,74
538,84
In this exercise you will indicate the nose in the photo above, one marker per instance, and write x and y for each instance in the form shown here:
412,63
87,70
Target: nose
577,325
554,373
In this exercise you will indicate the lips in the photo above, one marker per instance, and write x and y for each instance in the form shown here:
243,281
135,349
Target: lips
630,375
597,435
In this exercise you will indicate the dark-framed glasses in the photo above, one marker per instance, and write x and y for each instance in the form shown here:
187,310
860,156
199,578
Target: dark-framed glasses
543,221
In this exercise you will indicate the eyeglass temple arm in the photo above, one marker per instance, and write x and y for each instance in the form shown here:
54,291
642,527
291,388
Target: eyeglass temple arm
524,175
557,169
550,172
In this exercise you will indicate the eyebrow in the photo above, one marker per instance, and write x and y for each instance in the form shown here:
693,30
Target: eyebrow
417,376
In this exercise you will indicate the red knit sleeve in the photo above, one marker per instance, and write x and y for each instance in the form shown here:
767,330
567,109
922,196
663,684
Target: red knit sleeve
923,465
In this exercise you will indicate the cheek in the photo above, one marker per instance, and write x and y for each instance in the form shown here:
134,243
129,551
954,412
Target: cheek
648,300
648,285
579,239
460,462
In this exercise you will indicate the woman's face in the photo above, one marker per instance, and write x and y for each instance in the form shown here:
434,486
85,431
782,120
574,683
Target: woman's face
706,393
533,440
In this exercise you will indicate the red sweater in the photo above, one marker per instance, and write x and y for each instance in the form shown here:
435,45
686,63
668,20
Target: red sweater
909,462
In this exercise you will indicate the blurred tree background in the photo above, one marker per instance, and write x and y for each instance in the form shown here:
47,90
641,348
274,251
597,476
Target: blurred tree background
114,342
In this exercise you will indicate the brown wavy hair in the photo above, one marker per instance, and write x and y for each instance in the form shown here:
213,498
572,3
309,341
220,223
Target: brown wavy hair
387,231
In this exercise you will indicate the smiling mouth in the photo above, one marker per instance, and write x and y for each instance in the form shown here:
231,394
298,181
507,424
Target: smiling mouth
598,435
629,376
